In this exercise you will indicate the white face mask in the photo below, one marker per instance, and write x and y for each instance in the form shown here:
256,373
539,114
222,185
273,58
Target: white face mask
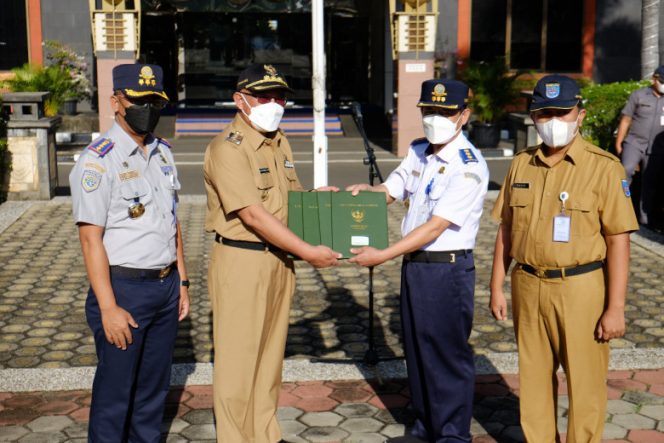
660,87
438,129
557,133
265,117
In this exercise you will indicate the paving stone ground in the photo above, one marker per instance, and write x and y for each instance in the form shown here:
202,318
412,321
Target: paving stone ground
358,411
43,287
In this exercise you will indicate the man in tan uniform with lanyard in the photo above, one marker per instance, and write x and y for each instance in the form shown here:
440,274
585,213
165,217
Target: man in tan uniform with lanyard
248,172
565,217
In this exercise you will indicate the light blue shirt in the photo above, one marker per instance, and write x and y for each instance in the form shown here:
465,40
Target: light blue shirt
104,187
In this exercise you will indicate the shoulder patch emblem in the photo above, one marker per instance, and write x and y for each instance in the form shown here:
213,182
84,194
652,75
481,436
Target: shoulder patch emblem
101,146
90,180
625,187
467,156
164,142
234,137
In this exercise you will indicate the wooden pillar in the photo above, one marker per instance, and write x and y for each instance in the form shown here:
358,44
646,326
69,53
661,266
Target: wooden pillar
35,37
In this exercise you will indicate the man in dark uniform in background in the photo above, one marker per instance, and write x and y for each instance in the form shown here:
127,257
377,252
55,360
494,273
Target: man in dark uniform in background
639,130
445,179
249,170
565,217
124,194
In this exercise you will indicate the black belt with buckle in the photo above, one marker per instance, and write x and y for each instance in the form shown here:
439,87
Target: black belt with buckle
252,245
563,272
147,274
437,256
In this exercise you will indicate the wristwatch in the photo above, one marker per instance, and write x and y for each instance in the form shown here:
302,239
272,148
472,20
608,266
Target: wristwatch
184,283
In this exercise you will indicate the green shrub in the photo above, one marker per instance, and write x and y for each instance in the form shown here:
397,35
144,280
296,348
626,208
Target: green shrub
35,78
603,103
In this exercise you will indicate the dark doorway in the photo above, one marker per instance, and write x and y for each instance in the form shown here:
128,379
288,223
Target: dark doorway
13,34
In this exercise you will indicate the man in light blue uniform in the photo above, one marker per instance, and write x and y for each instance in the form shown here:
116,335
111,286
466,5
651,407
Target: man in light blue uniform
444,179
124,194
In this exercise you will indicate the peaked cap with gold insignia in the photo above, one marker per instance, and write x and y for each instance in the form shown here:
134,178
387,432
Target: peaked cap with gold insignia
444,93
138,80
261,77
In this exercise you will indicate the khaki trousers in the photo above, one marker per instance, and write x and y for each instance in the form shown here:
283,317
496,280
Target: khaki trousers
555,321
250,292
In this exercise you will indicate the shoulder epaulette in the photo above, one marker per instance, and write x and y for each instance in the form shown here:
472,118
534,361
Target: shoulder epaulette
101,146
467,155
164,142
234,137
599,151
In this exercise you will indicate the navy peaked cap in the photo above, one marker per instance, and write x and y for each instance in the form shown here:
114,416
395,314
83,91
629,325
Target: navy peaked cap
555,91
138,80
444,93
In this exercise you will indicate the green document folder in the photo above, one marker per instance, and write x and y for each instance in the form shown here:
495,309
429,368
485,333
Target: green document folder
310,218
295,222
325,217
339,220
358,221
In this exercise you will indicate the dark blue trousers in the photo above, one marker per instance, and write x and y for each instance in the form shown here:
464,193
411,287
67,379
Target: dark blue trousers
130,387
436,318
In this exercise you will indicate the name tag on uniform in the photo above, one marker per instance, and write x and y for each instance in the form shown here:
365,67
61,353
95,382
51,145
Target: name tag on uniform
661,120
561,228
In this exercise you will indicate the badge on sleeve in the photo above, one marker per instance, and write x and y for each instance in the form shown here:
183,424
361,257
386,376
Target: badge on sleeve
90,180
625,187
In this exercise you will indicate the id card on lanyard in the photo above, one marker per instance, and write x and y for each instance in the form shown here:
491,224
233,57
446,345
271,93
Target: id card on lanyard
562,222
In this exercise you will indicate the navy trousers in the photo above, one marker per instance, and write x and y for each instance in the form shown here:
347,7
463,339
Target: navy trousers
130,387
436,318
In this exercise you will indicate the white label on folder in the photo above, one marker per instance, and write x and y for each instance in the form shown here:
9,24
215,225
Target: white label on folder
359,240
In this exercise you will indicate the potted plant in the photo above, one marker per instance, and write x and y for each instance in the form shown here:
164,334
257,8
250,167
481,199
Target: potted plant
65,77
69,62
493,89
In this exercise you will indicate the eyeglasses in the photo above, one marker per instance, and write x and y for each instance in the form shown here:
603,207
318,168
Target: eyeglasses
146,102
261,99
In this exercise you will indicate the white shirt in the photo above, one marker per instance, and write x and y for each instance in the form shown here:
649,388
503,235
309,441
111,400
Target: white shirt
450,184
103,187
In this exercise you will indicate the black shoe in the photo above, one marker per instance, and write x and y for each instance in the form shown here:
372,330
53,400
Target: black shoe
404,439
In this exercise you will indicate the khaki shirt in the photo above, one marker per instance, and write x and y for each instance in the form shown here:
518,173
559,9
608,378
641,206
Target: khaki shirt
599,204
244,168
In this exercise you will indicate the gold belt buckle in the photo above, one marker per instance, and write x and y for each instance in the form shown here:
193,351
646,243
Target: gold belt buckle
541,273
164,272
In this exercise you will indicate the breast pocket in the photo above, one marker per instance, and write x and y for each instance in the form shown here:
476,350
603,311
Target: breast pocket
412,183
585,221
136,192
521,205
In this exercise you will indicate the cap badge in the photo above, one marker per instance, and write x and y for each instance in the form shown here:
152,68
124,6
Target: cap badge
270,70
438,94
552,90
146,77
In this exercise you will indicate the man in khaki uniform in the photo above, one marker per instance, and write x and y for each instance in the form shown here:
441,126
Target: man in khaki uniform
248,172
565,217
